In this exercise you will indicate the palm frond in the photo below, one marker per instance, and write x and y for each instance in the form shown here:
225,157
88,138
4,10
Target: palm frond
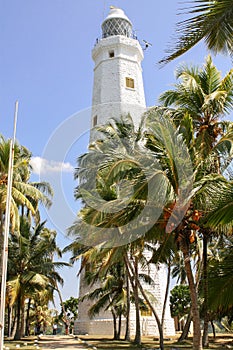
212,21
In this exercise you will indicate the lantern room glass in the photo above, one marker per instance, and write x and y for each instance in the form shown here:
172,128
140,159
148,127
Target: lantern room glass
117,26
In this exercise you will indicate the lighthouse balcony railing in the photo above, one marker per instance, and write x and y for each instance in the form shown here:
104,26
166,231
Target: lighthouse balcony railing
104,36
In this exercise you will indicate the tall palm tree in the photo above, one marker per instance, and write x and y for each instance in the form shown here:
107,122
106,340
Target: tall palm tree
110,295
31,266
24,194
211,21
160,132
106,177
170,172
206,97
204,183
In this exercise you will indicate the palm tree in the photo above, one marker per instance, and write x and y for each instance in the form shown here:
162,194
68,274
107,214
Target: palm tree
204,183
210,20
37,311
167,185
24,194
31,267
114,162
176,217
202,94
122,158
111,295
102,270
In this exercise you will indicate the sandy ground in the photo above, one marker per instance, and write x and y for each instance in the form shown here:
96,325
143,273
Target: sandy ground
62,342
67,342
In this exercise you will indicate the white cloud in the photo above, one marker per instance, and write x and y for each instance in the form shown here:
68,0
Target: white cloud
41,166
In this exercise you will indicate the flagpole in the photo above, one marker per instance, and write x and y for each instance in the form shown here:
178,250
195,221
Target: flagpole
6,230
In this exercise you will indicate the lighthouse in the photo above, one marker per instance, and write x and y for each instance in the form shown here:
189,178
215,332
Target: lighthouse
118,83
118,90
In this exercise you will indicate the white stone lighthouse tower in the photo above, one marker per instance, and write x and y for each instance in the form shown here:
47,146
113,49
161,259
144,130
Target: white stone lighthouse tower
118,85
118,90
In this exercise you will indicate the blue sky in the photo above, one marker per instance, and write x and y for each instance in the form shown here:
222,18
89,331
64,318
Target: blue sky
46,64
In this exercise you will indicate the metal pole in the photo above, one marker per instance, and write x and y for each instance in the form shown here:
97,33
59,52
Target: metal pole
6,231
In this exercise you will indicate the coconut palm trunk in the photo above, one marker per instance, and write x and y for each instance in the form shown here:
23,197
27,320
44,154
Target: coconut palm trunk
185,332
127,317
161,340
197,344
205,339
166,292
134,285
18,322
137,339
9,320
27,321
114,324
119,326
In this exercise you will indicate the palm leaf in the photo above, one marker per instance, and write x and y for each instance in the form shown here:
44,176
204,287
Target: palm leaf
212,21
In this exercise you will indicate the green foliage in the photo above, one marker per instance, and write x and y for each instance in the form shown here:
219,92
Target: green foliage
26,194
211,21
170,169
30,265
180,301
220,278
70,307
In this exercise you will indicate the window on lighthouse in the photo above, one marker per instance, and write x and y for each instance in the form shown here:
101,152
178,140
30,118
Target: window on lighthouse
111,54
95,120
129,82
146,311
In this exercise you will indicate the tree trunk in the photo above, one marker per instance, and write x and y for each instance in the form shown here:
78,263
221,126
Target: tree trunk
161,341
135,291
9,320
27,322
119,327
18,321
155,315
65,319
114,325
185,331
213,328
127,317
166,292
14,321
22,321
137,339
197,344
205,339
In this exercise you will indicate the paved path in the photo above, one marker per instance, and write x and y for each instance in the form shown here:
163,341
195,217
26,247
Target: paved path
62,342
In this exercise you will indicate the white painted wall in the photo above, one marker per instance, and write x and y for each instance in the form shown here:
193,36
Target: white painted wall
111,97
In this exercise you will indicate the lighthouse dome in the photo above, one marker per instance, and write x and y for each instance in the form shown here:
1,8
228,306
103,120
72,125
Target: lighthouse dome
116,23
